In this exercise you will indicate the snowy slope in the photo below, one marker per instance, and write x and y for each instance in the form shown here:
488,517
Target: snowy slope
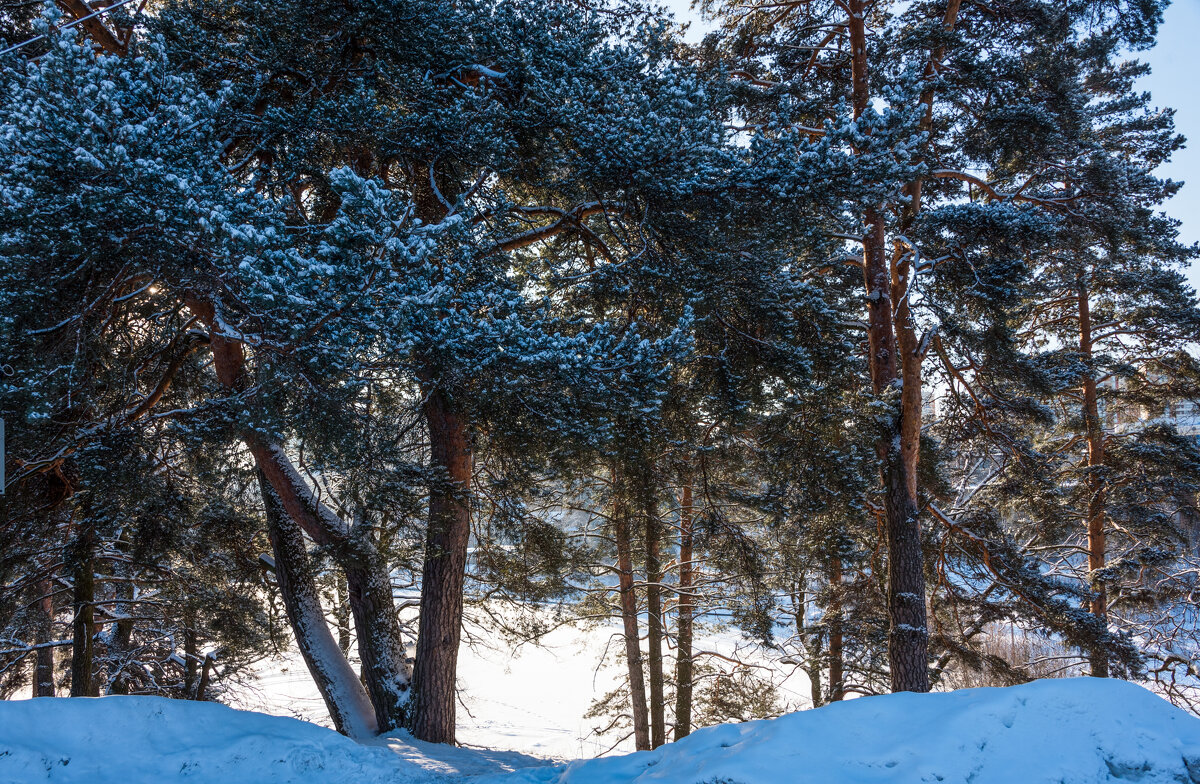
131,740
1078,731
1058,732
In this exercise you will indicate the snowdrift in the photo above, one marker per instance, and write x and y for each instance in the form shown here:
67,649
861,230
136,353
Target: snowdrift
1065,731
1078,731
139,740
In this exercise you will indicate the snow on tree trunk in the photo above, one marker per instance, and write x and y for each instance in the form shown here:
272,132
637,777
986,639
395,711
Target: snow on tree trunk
368,581
380,645
440,627
344,695
342,614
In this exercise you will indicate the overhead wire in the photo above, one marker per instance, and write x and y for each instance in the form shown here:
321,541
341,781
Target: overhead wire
67,26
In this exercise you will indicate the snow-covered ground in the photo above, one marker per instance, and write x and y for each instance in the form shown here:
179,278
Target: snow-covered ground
1078,731
131,740
1067,731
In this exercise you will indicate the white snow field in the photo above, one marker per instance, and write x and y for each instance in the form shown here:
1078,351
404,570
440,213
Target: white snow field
1078,731
528,698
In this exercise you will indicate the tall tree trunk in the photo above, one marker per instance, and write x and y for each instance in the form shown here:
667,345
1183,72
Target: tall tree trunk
908,636
344,695
684,616
654,620
629,612
837,674
1096,537
83,605
440,628
43,668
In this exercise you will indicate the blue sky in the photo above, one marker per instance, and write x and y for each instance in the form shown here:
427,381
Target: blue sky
1174,82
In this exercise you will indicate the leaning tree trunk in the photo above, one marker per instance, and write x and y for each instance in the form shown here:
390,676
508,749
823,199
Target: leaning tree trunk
83,684
43,669
1096,538
369,588
381,646
683,618
440,628
654,623
633,647
908,635
344,695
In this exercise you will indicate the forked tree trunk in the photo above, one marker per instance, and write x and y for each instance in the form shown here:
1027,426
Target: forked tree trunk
381,646
369,588
440,627
1096,538
654,622
83,605
344,695
629,612
908,635
683,617
43,669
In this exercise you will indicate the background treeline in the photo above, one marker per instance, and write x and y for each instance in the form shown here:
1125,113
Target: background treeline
855,328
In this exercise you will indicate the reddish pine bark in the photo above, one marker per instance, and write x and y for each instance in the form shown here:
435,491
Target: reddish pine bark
440,628
908,634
